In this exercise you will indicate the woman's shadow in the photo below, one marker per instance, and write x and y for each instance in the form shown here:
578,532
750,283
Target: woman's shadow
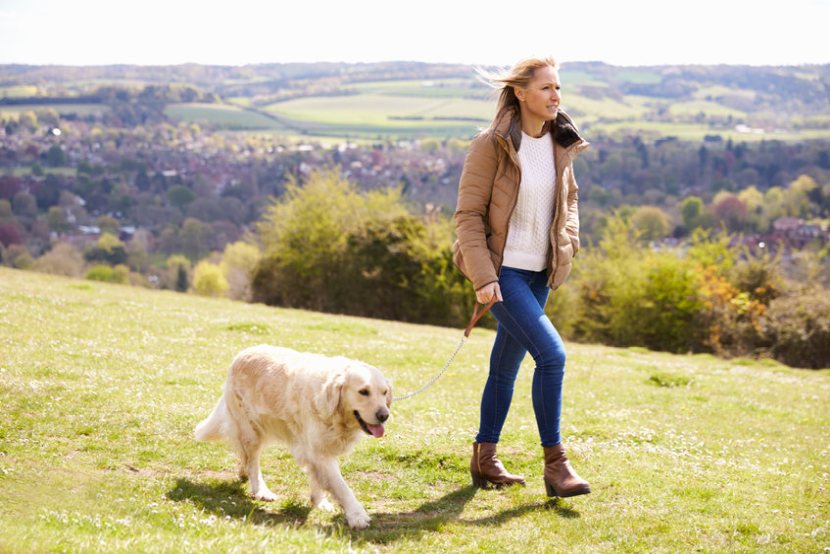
432,515
229,499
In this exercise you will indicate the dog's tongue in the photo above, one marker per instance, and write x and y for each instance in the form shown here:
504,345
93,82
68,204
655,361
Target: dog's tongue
376,430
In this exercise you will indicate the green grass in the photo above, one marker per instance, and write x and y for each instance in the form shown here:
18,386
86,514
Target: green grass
385,114
439,88
18,91
63,171
13,112
101,385
221,115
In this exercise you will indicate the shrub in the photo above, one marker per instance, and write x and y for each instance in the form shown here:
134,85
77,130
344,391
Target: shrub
798,329
108,249
305,235
18,257
729,317
759,276
395,272
62,259
208,279
118,274
239,260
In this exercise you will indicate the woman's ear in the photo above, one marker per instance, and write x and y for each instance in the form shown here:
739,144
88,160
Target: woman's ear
520,93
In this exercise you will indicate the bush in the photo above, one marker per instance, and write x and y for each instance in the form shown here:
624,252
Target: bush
62,259
118,274
330,248
208,279
729,317
798,329
108,249
239,260
645,300
18,257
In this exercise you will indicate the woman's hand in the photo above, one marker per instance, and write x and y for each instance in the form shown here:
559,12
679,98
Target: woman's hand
486,293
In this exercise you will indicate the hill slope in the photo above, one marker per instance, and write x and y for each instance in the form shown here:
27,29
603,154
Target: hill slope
101,385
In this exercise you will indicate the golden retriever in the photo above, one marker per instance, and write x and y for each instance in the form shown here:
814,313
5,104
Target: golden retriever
316,405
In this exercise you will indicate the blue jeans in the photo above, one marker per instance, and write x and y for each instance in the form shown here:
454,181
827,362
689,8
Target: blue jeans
523,327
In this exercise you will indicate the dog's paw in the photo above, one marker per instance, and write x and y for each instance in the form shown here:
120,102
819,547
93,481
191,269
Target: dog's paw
358,520
265,495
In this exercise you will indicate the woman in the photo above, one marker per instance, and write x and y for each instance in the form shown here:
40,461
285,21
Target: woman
518,231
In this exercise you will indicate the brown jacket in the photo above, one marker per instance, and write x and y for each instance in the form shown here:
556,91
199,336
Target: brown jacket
489,189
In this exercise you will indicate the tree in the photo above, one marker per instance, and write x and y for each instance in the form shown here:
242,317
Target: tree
239,260
691,211
195,238
108,249
753,199
5,209
181,279
55,156
10,234
178,269
730,211
24,204
180,196
108,224
800,195
57,220
651,223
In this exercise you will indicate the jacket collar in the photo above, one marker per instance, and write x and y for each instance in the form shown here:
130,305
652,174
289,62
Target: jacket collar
563,130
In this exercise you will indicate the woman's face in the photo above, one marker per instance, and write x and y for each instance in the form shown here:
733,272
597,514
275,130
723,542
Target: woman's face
540,100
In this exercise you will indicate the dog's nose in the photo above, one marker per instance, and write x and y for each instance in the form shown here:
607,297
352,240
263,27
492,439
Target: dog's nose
382,415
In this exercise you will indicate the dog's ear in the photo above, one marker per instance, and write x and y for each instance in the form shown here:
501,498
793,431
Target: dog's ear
388,393
329,398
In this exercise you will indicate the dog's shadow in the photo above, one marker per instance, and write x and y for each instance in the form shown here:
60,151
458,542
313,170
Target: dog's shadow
230,499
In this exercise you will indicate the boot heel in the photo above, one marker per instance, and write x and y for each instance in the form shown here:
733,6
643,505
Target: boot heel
549,488
479,481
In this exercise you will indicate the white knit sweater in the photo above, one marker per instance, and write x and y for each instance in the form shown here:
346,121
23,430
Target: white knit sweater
528,239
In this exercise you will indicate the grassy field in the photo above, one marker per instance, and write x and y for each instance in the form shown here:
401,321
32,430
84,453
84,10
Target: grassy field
13,112
101,385
221,115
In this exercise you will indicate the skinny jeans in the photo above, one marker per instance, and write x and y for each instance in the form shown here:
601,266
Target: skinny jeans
523,327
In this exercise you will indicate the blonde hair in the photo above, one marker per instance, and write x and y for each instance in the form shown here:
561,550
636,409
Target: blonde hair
519,76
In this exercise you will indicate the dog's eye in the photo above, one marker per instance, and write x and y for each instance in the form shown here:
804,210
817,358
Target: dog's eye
364,392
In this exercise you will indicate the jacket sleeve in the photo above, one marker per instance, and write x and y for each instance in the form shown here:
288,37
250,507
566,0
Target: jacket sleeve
572,218
474,192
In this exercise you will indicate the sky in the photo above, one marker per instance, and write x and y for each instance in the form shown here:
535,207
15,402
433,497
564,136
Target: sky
482,32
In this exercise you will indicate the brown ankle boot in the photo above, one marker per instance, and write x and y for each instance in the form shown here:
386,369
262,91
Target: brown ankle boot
486,468
560,478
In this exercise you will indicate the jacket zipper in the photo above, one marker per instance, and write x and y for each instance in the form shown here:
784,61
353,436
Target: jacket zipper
514,159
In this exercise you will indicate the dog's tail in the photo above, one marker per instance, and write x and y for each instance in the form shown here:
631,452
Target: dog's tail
213,428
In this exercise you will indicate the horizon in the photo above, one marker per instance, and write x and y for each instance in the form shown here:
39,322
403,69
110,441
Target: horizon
155,33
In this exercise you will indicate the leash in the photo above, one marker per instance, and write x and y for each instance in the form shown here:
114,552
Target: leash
473,320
